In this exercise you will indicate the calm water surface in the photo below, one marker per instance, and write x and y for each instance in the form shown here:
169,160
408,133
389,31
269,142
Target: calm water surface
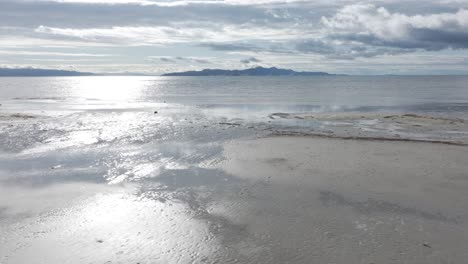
439,94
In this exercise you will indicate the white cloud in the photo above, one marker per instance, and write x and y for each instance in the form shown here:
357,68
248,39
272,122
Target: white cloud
177,33
182,60
43,53
377,26
296,33
32,42
182,2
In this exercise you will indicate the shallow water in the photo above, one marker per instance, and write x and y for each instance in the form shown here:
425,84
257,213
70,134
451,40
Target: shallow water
266,103
437,94
89,173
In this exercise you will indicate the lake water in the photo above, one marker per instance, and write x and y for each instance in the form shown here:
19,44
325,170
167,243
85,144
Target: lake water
447,95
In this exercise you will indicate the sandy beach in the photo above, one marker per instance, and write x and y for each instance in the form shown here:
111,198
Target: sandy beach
233,132
177,178
348,201
280,199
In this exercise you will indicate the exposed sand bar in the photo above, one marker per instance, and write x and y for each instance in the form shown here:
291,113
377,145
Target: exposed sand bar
371,126
345,201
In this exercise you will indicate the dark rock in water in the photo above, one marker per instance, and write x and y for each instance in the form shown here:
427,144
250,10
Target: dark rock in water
23,116
229,124
155,112
412,115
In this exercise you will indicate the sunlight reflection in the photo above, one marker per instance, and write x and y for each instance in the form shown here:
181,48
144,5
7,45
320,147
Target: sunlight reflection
114,226
143,229
119,88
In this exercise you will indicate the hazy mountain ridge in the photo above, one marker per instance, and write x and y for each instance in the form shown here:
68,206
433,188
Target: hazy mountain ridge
258,71
34,72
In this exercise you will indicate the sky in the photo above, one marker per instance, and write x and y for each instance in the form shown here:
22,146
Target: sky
159,36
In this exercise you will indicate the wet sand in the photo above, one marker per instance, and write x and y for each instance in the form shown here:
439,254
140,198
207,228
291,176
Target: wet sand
183,186
281,199
345,201
375,126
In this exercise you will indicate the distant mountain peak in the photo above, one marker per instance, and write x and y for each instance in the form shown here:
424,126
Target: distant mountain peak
36,72
257,71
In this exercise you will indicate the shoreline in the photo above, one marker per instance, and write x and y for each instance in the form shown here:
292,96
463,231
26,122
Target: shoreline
364,138
236,193
234,171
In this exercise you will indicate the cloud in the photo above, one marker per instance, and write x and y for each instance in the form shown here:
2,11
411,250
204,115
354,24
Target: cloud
237,25
201,60
123,35
256,47
365,30
166,59
105,15
179,59
231,46
315,46
191,33
49,54
250,60
373,26
180,2
188,32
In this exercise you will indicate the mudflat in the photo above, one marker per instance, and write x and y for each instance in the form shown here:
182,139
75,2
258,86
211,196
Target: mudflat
317,200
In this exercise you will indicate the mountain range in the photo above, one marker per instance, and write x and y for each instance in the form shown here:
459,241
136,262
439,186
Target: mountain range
258,71
34,72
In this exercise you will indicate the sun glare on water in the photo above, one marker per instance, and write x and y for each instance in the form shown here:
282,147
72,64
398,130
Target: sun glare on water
112,88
